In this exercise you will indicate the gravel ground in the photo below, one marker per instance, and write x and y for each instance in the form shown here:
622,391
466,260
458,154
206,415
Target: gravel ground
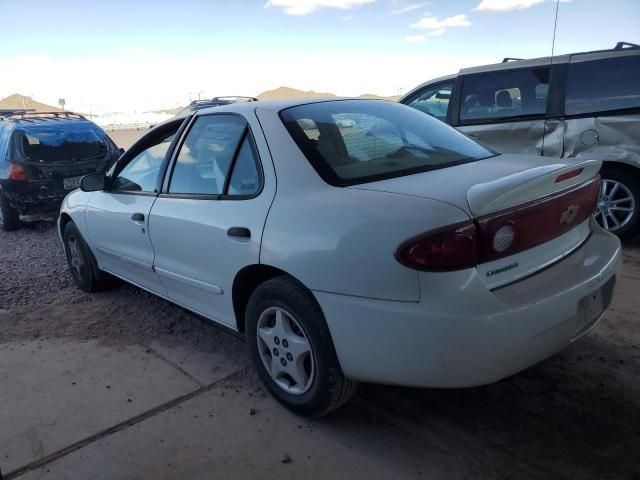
576,415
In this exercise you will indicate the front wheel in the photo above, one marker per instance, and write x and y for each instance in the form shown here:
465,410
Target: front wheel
291,348
80,259
618,204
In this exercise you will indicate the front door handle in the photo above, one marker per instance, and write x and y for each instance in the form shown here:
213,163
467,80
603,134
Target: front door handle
137,217
240,232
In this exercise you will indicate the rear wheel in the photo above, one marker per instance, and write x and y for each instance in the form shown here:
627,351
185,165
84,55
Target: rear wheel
618,204
291,348
80,259
9,218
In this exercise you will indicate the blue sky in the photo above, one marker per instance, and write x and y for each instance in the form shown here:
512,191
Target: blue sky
148,54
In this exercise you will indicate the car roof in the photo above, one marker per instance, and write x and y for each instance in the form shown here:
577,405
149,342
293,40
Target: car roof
27,119
278,105
513,63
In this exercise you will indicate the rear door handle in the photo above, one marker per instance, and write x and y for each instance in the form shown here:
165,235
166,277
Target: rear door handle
137,217
240,232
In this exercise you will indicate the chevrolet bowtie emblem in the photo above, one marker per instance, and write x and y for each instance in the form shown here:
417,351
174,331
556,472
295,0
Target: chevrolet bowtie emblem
570,214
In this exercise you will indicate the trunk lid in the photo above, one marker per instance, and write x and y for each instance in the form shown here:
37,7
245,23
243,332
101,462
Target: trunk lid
526,193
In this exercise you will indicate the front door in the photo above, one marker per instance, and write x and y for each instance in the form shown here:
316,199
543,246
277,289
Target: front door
505,110
118,218
207,223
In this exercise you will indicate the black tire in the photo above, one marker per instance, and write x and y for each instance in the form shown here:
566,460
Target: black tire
86,276
9,218
329,388
631,180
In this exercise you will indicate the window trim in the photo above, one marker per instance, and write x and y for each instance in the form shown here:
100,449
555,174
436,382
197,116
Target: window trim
417,93
165,193
504,119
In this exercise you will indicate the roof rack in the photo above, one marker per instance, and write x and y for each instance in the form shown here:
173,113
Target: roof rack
13,111
619,46
33,115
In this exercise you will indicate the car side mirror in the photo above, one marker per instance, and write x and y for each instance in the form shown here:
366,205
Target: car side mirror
93,182
121,150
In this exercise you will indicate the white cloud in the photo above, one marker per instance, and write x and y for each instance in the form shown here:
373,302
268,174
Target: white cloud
408,8
436,33
304,7
415,38
506,5
432,23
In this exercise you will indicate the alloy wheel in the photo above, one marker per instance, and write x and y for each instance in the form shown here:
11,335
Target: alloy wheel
285,350
616,205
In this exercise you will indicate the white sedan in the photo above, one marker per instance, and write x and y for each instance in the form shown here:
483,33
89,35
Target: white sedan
351,240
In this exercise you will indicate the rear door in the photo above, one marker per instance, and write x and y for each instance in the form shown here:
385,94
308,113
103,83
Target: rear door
207,223
505,110
118,218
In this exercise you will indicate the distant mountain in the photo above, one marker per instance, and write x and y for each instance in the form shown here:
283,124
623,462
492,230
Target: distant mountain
17,101
282,93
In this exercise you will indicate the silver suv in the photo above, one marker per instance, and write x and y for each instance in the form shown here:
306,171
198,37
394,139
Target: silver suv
578,105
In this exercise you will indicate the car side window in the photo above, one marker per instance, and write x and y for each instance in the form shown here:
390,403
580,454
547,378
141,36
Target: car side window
434,100
141,173
205,156
245,179
603,85
504,95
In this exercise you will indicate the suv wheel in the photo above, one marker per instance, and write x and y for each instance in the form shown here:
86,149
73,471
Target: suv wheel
9,218
291,348
618,208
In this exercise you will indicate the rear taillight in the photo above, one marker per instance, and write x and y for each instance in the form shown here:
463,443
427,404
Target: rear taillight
523,227
17,172
453,248
500,234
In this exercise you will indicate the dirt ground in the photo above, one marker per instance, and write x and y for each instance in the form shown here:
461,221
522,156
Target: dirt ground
126,137
121,384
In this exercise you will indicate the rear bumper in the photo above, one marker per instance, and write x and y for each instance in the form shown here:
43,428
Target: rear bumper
30,198
461,334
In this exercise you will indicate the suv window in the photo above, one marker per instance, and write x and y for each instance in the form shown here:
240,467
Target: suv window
434,100
357,141
207,154
603,85
141,173
503,95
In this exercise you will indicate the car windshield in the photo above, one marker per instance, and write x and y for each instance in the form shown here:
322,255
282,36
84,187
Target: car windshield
357,141
60,144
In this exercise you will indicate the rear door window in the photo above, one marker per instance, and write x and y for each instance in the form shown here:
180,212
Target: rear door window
215,146
504,95
433,100
603,85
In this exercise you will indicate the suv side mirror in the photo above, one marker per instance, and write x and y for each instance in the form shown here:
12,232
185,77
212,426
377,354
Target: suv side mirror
121,150
93,182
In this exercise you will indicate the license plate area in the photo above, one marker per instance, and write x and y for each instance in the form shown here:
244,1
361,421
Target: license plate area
591,307
71,182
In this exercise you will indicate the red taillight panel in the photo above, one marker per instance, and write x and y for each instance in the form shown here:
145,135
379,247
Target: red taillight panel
453,248
536,222
501,234
17,172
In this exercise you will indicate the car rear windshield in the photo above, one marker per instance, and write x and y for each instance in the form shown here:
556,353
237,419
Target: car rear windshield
357,141
59,144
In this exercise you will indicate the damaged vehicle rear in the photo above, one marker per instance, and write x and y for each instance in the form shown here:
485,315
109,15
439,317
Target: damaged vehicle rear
43,156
